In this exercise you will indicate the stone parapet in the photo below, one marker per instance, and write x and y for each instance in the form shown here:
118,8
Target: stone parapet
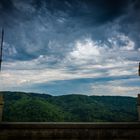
70,131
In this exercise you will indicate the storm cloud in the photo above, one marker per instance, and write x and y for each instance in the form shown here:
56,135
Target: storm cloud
59,41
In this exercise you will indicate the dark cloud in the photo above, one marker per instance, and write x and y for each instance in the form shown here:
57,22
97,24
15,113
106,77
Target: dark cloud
86,11
6,5
34,23
76,35
99,11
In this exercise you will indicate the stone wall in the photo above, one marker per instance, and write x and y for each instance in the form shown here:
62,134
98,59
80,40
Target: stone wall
70,131
138,108
1,107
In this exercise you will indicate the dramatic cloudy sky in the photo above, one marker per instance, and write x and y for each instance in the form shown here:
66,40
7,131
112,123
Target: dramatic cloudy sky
60,47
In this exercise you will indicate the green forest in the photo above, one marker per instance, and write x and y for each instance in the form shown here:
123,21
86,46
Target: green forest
33,107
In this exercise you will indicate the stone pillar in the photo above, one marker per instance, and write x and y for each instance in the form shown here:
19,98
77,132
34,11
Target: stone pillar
1,107
139,107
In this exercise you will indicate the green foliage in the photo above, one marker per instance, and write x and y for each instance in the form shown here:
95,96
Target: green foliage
20,106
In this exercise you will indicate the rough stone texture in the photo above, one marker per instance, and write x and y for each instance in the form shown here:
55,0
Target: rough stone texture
138,99
0,113
1,107
138,107
70,131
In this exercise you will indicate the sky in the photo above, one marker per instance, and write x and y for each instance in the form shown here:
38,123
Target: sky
61,47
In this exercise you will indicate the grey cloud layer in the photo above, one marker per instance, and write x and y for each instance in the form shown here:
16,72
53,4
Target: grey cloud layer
49,27
76,38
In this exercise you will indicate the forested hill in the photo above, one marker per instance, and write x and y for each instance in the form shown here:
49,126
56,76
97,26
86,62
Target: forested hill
21,106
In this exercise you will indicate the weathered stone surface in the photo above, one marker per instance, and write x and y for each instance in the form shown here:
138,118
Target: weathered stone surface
139,113
139,99
138,107
70,131
1,107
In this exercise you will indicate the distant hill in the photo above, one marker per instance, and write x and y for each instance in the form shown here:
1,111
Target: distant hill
20,106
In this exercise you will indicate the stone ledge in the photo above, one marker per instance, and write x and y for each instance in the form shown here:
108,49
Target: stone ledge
74,125
69,131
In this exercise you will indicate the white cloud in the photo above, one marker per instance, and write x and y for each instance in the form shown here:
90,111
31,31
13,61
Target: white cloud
26,77
88,54
86,49
122,42
124,90
91,59
120,50
115,90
